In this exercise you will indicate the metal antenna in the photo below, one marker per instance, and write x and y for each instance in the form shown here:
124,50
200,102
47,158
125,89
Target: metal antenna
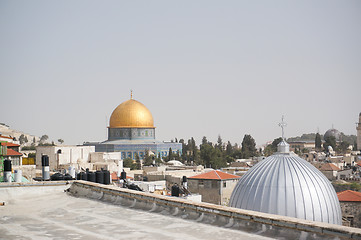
283,124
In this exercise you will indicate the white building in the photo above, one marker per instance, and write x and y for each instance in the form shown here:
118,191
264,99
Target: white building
63,155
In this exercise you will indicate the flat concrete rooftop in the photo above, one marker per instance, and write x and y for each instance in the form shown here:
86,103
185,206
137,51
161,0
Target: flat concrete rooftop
47,212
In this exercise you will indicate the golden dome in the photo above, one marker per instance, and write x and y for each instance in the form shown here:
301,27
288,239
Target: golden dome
131,114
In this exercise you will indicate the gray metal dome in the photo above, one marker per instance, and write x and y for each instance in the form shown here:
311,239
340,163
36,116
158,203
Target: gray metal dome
285,184
332,133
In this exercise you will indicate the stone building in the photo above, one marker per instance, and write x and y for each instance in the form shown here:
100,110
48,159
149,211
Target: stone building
309,145
63,155
215,186
330,170
13,153
350,202
131,131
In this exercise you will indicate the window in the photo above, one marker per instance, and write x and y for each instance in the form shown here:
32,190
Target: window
201,183
224,184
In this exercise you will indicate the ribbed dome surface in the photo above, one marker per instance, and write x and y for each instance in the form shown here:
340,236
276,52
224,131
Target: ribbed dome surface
131,114
285,184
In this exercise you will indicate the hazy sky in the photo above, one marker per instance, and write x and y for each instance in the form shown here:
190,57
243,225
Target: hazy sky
203,68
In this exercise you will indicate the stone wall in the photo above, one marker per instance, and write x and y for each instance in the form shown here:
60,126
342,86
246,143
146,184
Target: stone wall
227,189
209,189
352,212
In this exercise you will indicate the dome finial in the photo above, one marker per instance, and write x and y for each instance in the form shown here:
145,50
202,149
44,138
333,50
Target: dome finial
283,146
283,124
131,93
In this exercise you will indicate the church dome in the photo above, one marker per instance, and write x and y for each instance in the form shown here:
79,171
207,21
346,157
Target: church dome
131,114
332,133
285,184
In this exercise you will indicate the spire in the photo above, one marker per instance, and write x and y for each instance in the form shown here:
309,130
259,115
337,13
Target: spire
283,124
283,146
131,93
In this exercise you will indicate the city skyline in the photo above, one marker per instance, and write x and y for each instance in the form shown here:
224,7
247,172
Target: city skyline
202,68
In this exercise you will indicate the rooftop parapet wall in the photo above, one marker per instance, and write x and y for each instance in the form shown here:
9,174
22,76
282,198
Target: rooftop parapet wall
249,221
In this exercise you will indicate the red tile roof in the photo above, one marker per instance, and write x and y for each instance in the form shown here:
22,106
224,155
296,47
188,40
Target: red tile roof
329,167
359,163
216,175
9,144
11,152
115,177
2,136
349,196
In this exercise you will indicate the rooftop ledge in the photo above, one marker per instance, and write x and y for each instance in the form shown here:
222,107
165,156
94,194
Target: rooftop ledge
245,220
264,224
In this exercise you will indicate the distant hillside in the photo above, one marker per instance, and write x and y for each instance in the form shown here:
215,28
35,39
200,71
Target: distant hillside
304,137
7,131
351,139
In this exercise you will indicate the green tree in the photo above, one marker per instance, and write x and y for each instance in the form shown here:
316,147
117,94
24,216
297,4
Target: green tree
237,153
204,140
228,153
158,160
148,159
206,154
329,141
170,155
22,139
217,160
318,141
212,157
61,141
342,147
219,144
248,147
183,157
34,140
355,186
129,163
177,155
44,138
229,149
138,165
272,148
192,154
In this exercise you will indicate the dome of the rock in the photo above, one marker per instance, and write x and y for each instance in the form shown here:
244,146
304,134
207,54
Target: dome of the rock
131,114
